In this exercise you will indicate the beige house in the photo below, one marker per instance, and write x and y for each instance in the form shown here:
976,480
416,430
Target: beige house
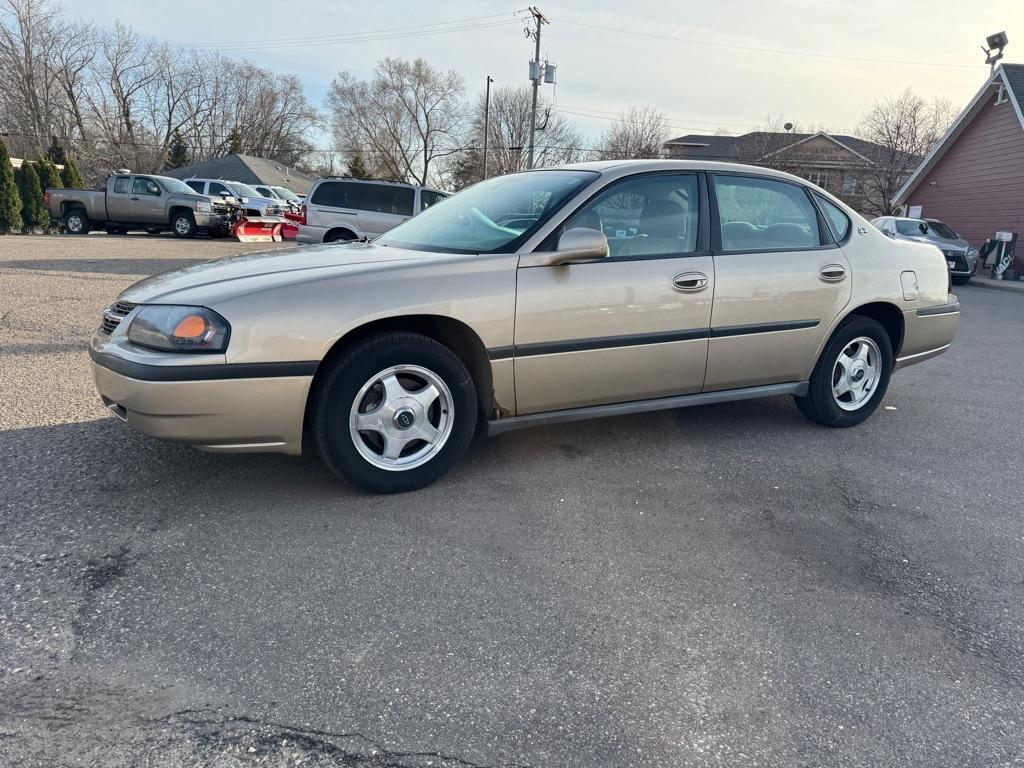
834,162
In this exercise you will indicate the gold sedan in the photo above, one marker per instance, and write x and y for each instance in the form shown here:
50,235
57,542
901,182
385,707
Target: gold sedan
534,298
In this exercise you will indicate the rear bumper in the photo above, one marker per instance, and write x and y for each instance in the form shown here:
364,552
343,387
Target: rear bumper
253,414
928,332
310,234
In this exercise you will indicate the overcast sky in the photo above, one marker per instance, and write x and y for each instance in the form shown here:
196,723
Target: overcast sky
670,55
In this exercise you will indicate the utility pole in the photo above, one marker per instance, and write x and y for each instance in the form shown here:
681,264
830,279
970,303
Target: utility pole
536,73
487,119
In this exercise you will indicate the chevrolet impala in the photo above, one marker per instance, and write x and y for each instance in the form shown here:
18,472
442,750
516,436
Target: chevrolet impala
534,298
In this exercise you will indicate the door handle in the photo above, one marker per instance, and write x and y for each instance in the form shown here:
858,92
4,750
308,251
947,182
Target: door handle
832,273
135,199
690,281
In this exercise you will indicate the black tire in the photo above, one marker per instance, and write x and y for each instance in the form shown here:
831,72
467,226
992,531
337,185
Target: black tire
961,279
183,224
820,405
343,382
75,221
339,237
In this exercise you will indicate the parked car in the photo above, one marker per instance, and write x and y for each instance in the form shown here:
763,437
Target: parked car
736,282
249,199
280,193
359,209
961,257
139,201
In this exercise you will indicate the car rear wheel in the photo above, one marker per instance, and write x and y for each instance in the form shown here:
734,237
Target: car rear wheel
852,375
341,236
76,222
184,224
395,413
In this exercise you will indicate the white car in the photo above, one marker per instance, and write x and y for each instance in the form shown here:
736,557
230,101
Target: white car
251,201
344,209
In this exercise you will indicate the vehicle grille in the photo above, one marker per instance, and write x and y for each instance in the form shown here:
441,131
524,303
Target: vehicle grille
113,315
958,259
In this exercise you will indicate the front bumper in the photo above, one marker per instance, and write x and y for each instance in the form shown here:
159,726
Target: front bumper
211,221
251,413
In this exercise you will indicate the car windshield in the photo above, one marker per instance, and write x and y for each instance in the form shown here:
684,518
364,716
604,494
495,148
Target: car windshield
942,230
285,194
175,187
911,227
243,190
494,216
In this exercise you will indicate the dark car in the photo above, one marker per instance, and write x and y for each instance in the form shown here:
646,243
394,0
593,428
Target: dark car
960,256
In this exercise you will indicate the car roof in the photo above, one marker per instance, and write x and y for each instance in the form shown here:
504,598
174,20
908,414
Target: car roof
624,167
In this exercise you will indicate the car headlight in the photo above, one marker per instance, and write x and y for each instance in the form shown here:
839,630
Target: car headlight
972,251
179,329
243,200
204,206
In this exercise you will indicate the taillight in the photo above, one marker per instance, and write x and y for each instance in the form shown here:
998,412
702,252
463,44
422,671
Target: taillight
302,214
46,197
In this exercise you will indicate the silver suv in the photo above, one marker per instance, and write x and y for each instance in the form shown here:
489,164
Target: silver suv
961,258
342,209
248,198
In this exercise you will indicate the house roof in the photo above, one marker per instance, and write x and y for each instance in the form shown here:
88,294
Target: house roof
1011,77
248,170
713,147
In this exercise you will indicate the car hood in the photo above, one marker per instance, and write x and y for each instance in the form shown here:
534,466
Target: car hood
256,271
946,244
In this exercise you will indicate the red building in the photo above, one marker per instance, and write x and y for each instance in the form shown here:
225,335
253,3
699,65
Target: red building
973,180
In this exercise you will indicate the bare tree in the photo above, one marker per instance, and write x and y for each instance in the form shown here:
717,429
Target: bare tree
556,141
904,129
29,98
639,133
406,119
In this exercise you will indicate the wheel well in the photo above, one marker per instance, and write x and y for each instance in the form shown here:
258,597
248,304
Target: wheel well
176,210
454,334
889,316
72,205
329,234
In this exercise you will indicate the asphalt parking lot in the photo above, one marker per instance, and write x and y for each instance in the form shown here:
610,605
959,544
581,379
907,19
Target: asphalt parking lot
719,586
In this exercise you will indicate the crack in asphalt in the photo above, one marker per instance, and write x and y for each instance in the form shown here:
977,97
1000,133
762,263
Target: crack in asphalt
315,740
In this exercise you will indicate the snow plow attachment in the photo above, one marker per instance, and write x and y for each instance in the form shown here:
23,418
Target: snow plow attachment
258,229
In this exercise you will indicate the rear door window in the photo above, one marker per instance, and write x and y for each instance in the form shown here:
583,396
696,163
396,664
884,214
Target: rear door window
198,186
757,214
838,221
122,184
384,198
338,194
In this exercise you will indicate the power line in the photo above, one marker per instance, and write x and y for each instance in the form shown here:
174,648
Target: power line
777,51
367,37
349,34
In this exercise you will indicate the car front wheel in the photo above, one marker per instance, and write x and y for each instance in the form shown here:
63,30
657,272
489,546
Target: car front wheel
395,413
184,224
852,375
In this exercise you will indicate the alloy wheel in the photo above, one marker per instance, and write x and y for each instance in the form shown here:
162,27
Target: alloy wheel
401,417
856,373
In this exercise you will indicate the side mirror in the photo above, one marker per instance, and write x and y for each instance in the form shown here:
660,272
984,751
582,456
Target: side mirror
578,244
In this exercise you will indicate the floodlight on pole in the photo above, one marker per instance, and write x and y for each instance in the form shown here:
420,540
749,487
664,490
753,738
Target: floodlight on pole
994,52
